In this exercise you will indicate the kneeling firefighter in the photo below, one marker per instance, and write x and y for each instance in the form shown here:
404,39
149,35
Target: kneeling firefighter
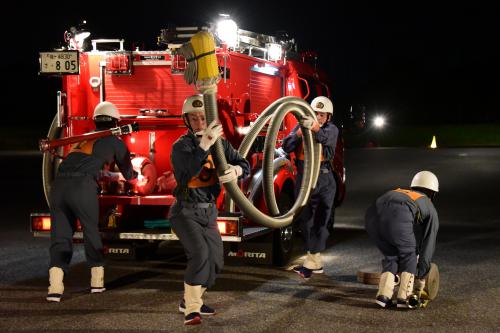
73,196
194,213
404,225
315,215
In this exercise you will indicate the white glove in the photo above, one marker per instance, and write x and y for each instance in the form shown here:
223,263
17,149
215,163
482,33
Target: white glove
210,135
231,173
307,122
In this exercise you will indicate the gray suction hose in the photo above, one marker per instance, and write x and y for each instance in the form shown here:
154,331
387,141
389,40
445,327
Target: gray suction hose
277,111
202,70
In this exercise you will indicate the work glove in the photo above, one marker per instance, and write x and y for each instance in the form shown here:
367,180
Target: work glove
231,173
210,135
307,122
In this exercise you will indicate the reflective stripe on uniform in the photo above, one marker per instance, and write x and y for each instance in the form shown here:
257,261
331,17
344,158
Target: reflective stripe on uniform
85,147
206,177
299,152
412,194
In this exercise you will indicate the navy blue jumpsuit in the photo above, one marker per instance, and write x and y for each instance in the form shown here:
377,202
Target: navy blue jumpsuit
404,225
73,196
194,213
314,216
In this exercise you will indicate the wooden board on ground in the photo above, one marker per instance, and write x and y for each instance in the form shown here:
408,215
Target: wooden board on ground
369,275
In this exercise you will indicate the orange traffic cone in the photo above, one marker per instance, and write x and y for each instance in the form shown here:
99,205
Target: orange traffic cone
433,143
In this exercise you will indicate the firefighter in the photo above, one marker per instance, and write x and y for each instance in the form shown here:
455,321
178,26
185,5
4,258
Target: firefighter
404,225
74,196
194,213
314,217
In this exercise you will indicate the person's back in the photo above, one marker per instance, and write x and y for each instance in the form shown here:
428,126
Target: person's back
104,150
404,224
73,196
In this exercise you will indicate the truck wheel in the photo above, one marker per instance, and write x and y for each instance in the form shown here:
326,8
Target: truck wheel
283,237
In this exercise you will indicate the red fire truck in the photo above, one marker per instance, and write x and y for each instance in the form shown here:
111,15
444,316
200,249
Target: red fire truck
148,88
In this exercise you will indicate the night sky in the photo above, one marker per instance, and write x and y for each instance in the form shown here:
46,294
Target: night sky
418,63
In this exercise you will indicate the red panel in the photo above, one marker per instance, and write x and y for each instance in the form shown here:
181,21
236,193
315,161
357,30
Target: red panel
264,89
149,87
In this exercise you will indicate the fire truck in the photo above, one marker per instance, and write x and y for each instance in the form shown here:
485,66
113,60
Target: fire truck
148,88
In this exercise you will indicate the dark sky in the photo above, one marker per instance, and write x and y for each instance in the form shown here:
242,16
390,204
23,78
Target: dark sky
418,62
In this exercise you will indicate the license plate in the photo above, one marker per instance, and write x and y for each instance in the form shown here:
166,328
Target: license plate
59,62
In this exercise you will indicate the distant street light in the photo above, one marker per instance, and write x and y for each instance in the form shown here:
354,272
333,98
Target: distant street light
379,121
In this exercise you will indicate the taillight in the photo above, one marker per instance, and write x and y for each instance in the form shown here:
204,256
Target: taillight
222,227
228,227
40,222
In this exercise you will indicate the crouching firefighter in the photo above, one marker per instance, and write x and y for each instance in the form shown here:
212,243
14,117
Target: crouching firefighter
404,225
73,196
194,213
314,217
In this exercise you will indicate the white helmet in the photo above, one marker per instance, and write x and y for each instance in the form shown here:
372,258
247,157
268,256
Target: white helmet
193,104
322,104
106,109
425,179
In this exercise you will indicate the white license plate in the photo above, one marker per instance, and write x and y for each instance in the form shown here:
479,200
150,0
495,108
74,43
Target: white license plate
59,62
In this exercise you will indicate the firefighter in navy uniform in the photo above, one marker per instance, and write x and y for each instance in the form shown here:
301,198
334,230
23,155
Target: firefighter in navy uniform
194,213
315,215
74,196
404,225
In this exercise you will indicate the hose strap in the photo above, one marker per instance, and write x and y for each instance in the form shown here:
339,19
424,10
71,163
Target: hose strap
200,56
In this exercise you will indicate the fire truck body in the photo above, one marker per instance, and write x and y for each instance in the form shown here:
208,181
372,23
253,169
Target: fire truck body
149,89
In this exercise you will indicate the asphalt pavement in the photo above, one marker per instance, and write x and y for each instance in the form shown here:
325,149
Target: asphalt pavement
144,296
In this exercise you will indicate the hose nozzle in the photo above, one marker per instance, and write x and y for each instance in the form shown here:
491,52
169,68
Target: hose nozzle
413,301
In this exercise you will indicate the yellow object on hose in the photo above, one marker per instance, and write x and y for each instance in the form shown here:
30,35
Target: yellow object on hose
203,44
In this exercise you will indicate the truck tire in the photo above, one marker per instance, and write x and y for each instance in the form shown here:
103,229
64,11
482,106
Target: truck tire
283,237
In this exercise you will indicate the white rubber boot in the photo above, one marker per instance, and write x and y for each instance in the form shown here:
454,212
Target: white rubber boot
97,280
193,301
385,289
56,286
405,289
313,262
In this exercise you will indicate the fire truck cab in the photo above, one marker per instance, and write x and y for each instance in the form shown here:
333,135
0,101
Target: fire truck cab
148,88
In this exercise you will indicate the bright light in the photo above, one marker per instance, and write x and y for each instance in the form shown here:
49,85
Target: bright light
274,51
227,31
222,227
379,121
266,69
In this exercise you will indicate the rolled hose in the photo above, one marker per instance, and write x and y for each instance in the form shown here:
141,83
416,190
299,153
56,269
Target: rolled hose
276,111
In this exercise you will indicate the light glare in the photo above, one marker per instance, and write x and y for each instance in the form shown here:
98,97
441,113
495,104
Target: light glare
227,31
379,121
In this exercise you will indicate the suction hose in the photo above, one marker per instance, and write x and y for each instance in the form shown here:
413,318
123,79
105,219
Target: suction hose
203,71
